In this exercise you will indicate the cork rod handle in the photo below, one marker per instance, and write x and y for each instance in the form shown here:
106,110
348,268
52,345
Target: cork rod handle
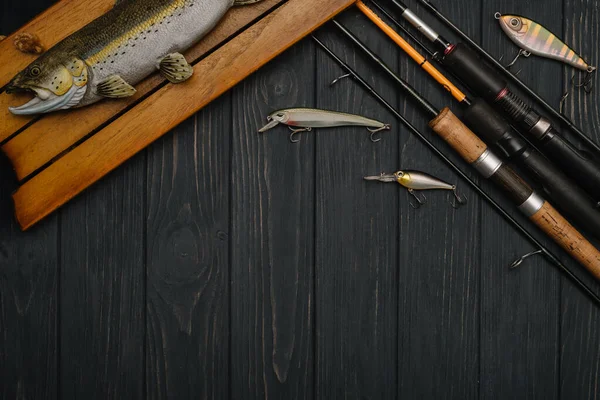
566,236
458,136
549,220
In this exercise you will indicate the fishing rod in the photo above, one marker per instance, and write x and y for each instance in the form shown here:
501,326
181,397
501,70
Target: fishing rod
489,58
431,110
494,130
476,153
463,63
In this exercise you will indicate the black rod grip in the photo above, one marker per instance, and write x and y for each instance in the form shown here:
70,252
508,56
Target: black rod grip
472,70
575,163
493,129
563,192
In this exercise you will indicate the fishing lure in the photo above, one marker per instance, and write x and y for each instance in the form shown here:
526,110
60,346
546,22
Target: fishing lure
416,181
305,119
533,38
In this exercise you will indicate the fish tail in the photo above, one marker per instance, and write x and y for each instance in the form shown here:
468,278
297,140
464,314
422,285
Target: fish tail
244,2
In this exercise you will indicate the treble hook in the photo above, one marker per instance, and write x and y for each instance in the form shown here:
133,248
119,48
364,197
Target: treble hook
375,131
521,52
587,83
521,259
420,200
458,200
296,131
339,78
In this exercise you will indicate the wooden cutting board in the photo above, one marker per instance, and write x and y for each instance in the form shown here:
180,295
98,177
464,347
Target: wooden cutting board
59,155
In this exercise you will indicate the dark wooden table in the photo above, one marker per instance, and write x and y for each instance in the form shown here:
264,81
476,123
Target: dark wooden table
225,264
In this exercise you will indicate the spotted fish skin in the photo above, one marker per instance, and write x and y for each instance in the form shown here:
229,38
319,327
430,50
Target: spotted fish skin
533,37
129,42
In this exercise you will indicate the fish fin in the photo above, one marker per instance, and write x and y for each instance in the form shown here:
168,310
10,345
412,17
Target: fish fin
115,87
175,68
244,2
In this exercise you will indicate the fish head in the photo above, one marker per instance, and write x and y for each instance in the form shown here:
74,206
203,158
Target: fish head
276,118
58,83
403,178
514,25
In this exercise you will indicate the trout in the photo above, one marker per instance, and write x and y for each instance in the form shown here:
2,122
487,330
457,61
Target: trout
110,55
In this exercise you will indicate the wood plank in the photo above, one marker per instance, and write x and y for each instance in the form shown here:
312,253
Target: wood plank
357,231
146,122
580,319
272,236
102,285
59,21
519,309
439,269
188,262
54,133
28,282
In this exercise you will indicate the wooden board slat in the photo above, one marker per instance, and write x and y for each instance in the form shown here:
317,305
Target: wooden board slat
579,355
102,285
56,132
356,283
53,25
438,269
169,106
29,296
187,245
272,231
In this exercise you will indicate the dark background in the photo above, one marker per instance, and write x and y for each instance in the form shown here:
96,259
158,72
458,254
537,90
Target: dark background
220,263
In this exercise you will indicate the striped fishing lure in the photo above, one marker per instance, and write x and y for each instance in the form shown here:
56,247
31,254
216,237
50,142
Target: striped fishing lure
533,38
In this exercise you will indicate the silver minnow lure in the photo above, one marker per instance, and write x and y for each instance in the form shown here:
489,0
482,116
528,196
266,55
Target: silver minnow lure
305,119
416,181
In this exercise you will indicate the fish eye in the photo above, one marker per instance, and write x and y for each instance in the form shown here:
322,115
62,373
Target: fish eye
35,71
280,115
514,22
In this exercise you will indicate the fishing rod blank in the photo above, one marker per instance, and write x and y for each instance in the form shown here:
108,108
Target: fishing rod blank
490,166
494,130
484,80
487,56
547,253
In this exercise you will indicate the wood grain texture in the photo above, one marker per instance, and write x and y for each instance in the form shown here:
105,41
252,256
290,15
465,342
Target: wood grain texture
102,289
188,259
337,287
519,308
29,298
580,321
272,243
216,74
356,233
439,268
458,136
28,311
41,142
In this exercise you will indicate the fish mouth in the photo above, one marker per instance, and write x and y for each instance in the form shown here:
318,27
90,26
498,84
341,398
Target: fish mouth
46,101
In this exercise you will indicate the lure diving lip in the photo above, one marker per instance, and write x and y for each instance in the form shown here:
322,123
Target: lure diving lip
305,119
533,38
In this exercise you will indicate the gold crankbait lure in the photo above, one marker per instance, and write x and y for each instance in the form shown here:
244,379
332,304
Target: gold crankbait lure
415,181
533,38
